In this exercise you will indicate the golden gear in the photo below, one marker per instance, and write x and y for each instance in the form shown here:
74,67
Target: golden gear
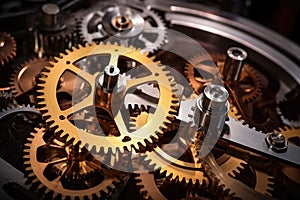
175,169
39,170
231,165
22,79
57,118
290,132
8,48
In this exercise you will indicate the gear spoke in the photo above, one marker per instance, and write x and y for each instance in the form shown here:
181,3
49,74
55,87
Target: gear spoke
139,81
85,75
87,102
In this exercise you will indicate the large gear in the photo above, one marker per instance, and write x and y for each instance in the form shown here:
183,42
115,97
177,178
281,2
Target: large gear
41,155
132,25
57,118
8,48
23,79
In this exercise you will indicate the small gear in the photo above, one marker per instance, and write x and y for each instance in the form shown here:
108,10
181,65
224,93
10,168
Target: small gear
289,107
233,166
132,25
7,99
40,156
59,118
23,79
8,48
201,70
53,32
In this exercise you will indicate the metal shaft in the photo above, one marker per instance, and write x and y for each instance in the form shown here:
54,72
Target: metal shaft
234,63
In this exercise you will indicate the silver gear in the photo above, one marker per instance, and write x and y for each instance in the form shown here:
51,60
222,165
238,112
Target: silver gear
148,32
18,109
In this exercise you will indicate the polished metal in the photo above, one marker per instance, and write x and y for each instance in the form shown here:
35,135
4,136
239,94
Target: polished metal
233,66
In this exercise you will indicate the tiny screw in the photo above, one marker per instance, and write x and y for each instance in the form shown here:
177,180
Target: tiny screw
276,142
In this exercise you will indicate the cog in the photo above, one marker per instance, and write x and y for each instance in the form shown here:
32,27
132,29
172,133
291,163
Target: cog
289,108
23,79
132,25
58,118
16,123
292,134
201,71
50,39
8,48
13,110
40,156
233,166
7,99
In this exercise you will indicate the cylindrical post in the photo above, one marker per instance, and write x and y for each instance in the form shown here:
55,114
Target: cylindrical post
233,64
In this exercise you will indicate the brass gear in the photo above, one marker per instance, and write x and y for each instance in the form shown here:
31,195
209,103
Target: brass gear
8,48
173,168
200,66
40,173
23,79
57,118
291,133
231,165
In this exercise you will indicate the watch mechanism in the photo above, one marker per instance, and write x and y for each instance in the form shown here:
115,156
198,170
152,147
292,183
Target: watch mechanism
145,100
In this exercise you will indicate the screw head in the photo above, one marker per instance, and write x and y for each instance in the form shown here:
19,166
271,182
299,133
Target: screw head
276,142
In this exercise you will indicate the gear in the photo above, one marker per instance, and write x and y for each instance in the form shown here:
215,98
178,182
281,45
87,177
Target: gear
292,134
289,108
7,99
16,123
132,25
201,71
8,48
153,186
53,32
233,166
41,155
23,79
59,118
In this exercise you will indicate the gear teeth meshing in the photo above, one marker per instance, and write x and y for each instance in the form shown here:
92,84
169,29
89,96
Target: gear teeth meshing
35,173
101,10
55,122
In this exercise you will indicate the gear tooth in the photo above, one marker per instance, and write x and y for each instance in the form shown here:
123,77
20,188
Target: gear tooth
68,51
27,163
98,148
80,46
56,59
35,180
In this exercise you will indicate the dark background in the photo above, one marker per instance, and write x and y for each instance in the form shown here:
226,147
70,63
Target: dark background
282,16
